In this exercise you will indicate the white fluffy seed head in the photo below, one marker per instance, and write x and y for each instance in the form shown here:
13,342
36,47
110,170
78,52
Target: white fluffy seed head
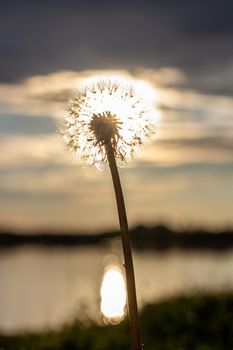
107,111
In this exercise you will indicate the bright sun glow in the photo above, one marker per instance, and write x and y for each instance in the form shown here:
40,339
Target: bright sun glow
113,295
130,109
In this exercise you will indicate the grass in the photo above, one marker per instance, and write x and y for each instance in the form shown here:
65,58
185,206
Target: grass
199,322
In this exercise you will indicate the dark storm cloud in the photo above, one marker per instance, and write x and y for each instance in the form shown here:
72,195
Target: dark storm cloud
43,37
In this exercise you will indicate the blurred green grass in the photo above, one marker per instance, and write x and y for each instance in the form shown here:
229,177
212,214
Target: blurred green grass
198,322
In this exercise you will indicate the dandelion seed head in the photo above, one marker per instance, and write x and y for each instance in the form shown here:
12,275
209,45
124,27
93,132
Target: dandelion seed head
107,111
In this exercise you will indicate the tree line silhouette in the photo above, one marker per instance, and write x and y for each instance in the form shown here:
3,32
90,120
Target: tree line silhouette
159,237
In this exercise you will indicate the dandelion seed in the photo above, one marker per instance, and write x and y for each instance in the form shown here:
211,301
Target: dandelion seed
107,111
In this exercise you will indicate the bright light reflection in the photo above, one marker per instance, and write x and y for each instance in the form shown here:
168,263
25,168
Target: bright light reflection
113,295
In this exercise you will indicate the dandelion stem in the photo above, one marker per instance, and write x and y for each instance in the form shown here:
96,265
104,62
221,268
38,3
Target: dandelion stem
130,280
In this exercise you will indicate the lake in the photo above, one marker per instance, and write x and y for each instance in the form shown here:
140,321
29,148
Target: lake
45,288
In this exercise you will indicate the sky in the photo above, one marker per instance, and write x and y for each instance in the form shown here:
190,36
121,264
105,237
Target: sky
181,49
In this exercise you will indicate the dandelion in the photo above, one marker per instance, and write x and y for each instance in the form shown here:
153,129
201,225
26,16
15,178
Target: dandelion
108,112
106,123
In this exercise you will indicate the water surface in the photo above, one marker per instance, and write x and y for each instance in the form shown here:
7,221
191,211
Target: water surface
43,288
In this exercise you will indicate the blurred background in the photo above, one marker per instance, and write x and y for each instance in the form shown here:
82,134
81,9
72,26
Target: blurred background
179,188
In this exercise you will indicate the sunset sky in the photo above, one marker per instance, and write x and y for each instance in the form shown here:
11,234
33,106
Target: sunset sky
181,49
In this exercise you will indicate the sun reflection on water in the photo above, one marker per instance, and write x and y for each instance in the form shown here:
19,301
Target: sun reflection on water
113,295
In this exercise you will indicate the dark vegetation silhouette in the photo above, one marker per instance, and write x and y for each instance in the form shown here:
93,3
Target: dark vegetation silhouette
198,322
159,238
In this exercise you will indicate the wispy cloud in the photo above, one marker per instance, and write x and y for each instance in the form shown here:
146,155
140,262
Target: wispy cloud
41,184
192,126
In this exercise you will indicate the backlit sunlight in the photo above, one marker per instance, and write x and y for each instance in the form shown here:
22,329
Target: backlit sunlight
113,295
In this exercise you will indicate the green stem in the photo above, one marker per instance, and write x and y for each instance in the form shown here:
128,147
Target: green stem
130,280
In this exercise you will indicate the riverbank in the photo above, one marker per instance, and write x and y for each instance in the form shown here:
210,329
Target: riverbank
200,322
159,238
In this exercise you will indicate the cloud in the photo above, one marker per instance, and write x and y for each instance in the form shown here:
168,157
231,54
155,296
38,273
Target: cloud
75,35
188,165
16,124
31,150
45,95
163,155
66,198
192,127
